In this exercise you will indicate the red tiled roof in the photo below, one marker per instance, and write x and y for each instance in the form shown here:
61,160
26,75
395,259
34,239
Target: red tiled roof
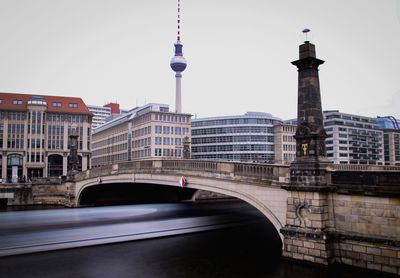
6,103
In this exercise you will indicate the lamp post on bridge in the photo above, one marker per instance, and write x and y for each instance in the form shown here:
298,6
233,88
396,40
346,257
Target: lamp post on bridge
307,217
73,154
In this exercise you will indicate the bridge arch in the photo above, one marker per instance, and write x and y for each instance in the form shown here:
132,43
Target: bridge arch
269,200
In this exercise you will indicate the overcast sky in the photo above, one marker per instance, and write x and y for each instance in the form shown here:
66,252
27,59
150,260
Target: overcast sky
238,53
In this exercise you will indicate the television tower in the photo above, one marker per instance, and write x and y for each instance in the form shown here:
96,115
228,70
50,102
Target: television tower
178,64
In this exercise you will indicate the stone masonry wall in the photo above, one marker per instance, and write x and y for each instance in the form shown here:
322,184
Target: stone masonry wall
368,232
306,218
372,216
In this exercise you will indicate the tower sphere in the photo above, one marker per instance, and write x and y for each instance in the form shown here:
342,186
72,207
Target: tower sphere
178,63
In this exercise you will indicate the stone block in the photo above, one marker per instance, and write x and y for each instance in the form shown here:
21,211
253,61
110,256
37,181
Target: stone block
375,212
394,262
367,257
309,258
347,261
394,201
291,215
291,208
389,269
297,222
389,231
310,195
290,222
309,244
360,263
320,246
352,255
297,256
287,254
346,246
303,250
323,254
351,218
288,241
359,248
389,253
358,211
340,218
343,210
320,261
314,252
292,249
374,266
294,194
365,228
290,201
298,243
394,222
381,260
374,251
316,224
389,213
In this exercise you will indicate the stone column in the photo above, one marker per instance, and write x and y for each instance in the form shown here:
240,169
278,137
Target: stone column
4,166
65,164
186,148
306,233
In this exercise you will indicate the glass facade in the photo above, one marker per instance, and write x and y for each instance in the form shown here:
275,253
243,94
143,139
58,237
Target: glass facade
248,138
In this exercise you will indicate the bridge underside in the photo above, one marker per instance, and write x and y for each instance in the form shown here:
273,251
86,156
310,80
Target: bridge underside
129,193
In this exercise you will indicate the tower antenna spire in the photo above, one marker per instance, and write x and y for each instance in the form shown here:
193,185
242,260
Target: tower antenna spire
178,34
178,63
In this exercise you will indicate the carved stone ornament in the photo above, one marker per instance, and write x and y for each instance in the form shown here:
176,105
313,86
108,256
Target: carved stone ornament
302,211
303,130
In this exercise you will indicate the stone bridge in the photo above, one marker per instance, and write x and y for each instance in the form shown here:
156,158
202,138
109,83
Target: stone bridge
354,220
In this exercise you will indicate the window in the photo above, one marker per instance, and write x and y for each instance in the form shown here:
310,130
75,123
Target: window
58,104
72,105
17,101
1,101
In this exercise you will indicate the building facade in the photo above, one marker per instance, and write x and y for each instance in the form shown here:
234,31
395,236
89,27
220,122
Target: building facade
248,137
284,143
34,135
391,139
150,131
353,139
102,114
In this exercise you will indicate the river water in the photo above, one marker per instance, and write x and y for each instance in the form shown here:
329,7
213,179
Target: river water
252,250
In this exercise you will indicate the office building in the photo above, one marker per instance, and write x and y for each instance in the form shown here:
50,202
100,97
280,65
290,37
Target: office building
284,142
102,114
248,137
353,139
150,131
391,139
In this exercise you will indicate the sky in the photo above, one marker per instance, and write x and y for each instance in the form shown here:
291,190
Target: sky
238,53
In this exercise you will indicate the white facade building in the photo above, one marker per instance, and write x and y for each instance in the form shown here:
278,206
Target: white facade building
100,114
248,137
353,139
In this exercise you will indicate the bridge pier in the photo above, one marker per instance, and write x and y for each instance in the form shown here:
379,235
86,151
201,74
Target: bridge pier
306,233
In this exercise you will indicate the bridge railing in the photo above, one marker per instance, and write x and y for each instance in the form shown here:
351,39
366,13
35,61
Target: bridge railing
193,165
235,169
357,167
269,171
